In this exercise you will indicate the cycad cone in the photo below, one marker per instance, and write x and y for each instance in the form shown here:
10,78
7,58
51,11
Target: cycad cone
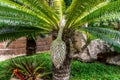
58,48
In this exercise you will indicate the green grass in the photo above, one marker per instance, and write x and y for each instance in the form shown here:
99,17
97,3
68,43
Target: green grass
94,71
79,71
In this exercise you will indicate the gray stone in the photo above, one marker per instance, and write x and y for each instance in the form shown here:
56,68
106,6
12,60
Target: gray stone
114,60
98,50
98,47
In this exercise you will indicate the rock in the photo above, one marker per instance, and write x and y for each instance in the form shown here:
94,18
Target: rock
85,57
98,47
98,50
101,51
114,60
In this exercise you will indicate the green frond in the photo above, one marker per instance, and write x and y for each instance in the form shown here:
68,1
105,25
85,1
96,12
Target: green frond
9,35
13,5
80,8
59,8
13,17
9,12
107,12
110,36
14,33
108,17
46,8
23,8
10,21
41,8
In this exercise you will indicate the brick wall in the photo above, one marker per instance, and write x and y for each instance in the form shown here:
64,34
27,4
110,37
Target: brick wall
19,46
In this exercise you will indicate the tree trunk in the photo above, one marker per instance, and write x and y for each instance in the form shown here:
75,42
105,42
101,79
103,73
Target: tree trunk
63,73
30,46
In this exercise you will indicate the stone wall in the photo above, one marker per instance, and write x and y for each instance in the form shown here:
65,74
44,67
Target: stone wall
19,46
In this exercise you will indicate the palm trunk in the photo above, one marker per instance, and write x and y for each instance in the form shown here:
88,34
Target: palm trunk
30,46
61,46
63,73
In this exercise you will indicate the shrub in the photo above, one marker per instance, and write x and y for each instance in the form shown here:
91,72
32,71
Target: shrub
27,68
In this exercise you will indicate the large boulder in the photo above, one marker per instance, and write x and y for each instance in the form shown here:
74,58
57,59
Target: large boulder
99,50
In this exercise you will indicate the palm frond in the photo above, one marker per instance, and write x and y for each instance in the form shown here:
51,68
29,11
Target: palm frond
112,37
80,8
23,8
13,17
8,21
9,12
108,17
41,8
59,7
13,33
109,11
13,5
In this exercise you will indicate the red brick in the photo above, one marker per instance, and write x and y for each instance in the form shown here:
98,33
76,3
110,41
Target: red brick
18,46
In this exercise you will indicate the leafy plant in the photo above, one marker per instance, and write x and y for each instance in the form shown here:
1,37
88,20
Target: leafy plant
30,17
27,68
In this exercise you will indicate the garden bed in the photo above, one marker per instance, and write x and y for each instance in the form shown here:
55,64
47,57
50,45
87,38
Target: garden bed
79,71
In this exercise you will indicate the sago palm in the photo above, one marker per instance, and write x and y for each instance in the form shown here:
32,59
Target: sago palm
63,20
